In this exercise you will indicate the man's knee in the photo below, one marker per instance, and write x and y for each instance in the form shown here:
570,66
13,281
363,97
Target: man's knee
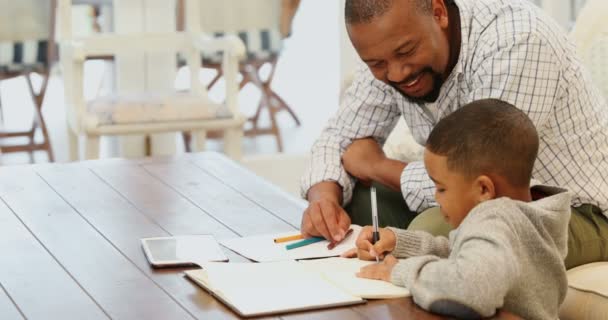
587,236
432,221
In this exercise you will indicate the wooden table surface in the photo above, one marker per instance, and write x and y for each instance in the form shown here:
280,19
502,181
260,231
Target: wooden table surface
70,237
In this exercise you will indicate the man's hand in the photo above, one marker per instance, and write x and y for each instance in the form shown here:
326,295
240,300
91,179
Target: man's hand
324,216
365,250
361,158
379,271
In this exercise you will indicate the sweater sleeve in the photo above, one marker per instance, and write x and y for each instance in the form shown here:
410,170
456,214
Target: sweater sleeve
473,281
412,243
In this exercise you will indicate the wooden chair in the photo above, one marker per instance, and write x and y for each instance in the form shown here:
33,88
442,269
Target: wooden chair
261,25
27,46
150,112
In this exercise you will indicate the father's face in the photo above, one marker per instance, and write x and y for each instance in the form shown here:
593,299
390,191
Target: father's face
406,48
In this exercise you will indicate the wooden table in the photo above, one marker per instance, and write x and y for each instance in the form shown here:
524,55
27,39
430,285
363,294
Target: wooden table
70,237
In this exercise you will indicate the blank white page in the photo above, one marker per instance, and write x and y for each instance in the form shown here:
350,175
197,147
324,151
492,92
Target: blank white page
342,272
268,288
263,248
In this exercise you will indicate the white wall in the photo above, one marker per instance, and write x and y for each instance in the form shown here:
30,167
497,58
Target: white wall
348,55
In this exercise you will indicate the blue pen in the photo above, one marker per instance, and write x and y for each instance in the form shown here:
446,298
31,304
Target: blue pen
304,242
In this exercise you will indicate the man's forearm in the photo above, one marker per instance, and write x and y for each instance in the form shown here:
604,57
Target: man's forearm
326,189
388,173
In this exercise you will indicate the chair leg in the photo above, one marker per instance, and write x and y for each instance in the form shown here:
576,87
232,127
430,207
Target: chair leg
200,140
1,110
273,95
215,79
92,147
283,104
274,128
73,145
38,119
233,143
256,117
265,103
187,136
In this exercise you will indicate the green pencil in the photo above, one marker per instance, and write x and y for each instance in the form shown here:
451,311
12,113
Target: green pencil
304,242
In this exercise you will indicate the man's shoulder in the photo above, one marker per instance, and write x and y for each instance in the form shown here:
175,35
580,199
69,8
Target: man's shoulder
506,21
487,16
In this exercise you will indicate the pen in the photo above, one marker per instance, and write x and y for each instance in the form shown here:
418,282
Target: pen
288,238
375,234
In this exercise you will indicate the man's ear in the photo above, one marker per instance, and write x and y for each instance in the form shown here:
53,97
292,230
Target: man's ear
440,12
486,188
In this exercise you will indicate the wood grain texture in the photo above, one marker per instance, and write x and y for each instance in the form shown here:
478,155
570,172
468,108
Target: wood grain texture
71,237
278,202
123,224
231,208
8,309
111,279
33,278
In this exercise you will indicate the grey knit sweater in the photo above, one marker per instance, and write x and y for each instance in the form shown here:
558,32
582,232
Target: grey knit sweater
506,254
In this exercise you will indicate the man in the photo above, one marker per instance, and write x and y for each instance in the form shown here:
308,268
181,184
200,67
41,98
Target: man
426,58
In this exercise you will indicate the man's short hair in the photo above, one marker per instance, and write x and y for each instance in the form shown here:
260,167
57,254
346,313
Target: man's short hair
487,136
364,11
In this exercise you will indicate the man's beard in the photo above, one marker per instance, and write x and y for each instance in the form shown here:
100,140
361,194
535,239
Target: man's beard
427,98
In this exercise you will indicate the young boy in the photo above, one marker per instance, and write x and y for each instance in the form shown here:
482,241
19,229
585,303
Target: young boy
506,251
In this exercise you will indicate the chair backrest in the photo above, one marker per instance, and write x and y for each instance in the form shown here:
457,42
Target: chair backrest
26,29
261,24
165,42
237,15
25,20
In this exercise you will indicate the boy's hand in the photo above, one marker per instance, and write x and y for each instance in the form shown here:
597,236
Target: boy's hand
379,271
366,251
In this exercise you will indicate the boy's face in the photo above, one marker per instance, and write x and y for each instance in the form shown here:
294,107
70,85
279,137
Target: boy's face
455,193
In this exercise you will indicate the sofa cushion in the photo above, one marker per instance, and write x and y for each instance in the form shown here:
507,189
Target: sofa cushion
587,297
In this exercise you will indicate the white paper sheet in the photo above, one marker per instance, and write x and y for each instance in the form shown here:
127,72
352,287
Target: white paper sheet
263,248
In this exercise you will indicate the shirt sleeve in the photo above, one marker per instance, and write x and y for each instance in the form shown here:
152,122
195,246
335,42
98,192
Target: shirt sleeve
412,243
522,70
417,187
472,281
368,109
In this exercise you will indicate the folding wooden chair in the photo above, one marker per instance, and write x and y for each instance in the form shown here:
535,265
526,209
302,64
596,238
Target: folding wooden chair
27,46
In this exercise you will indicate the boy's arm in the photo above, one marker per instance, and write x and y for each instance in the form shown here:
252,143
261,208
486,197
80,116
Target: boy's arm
471,283
418,243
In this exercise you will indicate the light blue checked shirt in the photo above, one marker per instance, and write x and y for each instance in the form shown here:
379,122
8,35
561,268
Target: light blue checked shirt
510,51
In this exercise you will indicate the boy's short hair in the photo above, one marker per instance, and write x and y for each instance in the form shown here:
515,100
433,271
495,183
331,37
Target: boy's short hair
487,136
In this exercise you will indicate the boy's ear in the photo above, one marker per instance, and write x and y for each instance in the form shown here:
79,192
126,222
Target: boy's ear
486,188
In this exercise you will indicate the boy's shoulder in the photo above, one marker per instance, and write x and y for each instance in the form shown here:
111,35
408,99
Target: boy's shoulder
504,216
555,201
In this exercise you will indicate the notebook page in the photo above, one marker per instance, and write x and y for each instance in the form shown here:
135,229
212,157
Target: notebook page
267,288
342,272
263,249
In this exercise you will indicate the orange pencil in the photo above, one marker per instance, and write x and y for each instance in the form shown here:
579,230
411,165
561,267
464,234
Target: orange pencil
289,238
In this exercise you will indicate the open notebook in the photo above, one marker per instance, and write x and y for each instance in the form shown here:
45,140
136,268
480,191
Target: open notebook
255,289
262,248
